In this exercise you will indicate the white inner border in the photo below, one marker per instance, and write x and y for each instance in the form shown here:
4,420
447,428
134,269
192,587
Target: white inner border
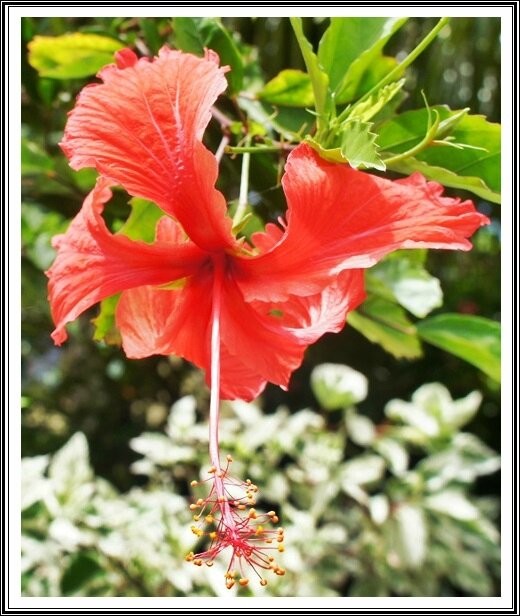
14,600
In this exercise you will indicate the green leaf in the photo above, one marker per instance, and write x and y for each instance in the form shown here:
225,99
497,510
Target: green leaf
355,145
474,339
367,109
407,282
216,37
34,159
39,226
349,46
379,68
194,34
290,87
141,223
469,160
446,178
385,323
105,323
318,77
71,56
151,33
187,35
81,570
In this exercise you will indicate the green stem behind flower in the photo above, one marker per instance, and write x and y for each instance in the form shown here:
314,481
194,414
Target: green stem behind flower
244,185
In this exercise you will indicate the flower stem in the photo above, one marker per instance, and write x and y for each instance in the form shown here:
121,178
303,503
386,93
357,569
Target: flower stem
244,185
214,407
223,145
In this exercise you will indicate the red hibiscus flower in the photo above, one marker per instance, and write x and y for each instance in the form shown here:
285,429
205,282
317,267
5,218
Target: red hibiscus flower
243,312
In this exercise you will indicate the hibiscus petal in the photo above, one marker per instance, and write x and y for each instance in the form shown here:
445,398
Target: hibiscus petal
92,263
271,338
142,128
165,322
238,381
154,321
340,218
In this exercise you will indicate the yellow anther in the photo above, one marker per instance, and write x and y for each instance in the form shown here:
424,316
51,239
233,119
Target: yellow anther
194,483
199,502
212,469
241,507
279,538
252,514
230,584
268,540
209,519
271,513
275,519
248,482
209,563
190,557
213,535
243,581
270,558
198,562
196,518
221,499
279,530
193,507
259,530
263,582
280,571
281,548
229,458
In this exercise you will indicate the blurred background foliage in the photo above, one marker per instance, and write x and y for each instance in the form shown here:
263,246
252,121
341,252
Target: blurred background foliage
90,504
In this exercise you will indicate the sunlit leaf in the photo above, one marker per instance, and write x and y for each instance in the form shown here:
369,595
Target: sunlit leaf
385,323
362,470
453,503
447,178
360,429
71,56
411,535
70,466
318,77
349,46
474,167
409,283
337,386
290,87
355,145
142,220
474,339
105,323
367,109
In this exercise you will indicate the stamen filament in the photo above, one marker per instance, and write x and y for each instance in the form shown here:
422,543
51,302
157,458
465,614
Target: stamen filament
226,517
